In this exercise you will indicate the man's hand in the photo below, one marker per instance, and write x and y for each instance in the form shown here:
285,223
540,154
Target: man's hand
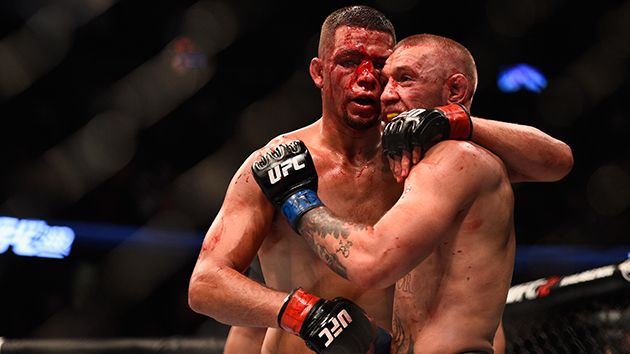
410,134
288,178
336,326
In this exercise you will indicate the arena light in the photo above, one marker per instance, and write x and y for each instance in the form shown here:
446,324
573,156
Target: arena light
521,77
35,238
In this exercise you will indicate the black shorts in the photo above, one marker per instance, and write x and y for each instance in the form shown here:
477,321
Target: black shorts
383,341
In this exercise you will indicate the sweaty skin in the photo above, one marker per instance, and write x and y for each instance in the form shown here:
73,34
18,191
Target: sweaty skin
353,176
448,244
354,181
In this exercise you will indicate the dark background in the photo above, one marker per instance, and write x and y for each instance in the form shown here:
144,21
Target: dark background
126,120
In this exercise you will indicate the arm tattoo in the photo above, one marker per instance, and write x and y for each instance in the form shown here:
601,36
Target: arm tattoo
330,258
321,222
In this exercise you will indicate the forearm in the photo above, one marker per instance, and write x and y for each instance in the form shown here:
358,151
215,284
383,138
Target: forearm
349,249
295,195
528,153
232,298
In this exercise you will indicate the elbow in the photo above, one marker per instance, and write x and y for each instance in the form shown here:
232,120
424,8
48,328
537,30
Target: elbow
371,273
373,280
373,266
202,295
562,164
195,299
567,160
363,280
553,165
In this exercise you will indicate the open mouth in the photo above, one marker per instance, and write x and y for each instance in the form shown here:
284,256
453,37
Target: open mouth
365,101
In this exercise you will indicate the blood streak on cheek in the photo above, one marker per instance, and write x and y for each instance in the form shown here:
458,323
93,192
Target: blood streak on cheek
338,79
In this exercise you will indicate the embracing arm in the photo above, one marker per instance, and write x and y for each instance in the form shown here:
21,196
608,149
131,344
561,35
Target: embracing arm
529,154
436,191
218,288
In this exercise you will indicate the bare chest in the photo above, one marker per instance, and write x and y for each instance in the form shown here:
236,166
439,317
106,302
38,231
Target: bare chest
360,195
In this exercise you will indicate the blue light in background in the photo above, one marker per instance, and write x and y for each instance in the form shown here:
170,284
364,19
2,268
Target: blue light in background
521,76
565,259
35,238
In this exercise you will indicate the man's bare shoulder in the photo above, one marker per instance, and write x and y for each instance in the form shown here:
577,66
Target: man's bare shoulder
455,150
307,134
466,157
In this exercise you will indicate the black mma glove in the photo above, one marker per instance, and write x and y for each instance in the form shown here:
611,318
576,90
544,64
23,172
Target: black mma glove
288,178
426,127
336,326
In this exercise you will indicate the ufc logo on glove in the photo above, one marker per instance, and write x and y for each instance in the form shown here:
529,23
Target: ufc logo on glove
282,170
339,323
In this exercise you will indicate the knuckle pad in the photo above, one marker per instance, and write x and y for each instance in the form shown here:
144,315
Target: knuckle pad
279,152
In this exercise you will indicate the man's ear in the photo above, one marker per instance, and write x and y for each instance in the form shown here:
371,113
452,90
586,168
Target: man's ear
316,72
457,85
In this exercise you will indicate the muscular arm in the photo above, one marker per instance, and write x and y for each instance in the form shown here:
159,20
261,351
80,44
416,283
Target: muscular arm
218,288
436,191
529,154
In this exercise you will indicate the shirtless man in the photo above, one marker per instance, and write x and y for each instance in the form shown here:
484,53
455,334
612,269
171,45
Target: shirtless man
348,136
448,243
354,181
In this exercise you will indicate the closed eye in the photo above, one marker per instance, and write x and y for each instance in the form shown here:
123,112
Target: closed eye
404,78
350,62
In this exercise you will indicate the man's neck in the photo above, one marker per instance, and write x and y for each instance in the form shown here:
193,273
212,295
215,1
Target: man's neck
353,144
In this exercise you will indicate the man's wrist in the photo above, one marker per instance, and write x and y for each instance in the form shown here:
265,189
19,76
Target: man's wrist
296,307
299,203
460,121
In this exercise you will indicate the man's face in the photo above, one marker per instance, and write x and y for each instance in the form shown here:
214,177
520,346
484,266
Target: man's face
351,70
413,77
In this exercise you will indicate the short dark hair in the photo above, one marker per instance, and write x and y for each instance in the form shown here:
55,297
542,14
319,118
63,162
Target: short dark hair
458,55
354,16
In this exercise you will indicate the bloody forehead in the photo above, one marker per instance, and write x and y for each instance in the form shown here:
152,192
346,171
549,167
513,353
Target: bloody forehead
360,40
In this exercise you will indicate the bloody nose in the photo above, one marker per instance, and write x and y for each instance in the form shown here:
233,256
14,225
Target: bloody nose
365,68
